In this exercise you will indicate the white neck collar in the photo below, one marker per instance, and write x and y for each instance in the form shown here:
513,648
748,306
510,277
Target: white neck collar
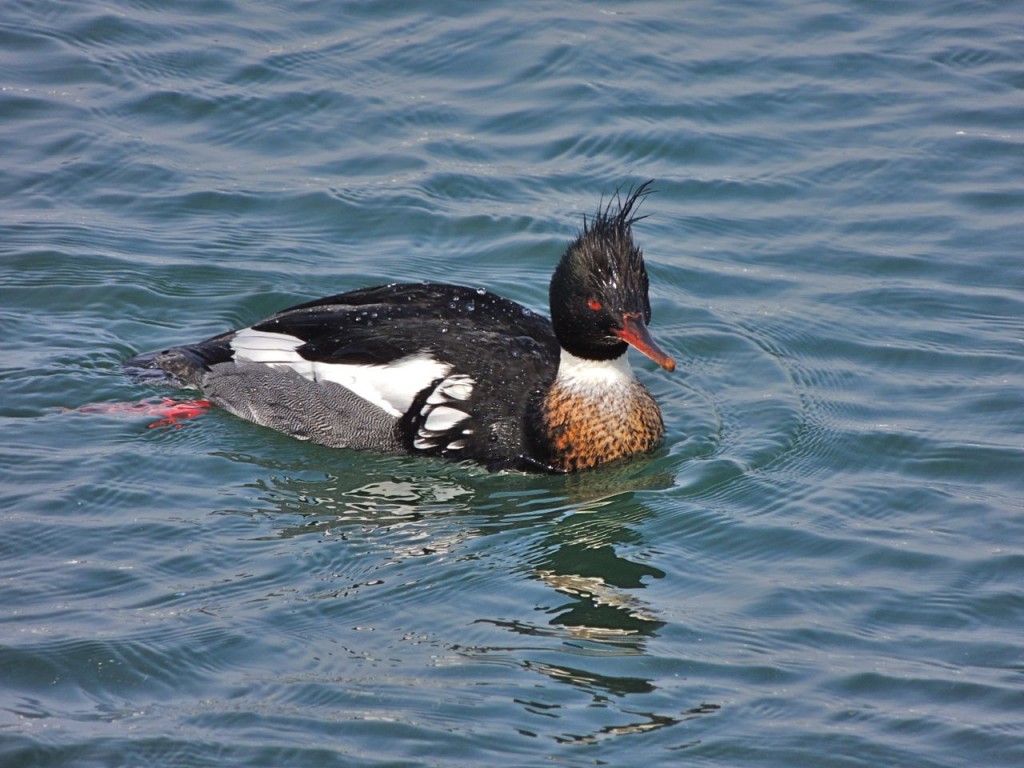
580,373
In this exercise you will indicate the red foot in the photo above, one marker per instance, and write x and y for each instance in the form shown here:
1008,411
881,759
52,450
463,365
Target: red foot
170,411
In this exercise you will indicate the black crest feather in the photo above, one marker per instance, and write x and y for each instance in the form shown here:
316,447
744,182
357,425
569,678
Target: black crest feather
605,251
619,221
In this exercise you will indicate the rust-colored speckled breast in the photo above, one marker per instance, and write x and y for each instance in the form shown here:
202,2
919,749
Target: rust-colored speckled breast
587,431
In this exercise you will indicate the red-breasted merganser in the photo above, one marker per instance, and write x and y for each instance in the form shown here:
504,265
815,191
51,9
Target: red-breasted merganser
445,370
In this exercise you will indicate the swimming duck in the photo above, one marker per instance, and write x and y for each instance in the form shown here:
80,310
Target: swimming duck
451,371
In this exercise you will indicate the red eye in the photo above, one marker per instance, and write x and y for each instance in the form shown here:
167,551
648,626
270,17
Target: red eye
594,304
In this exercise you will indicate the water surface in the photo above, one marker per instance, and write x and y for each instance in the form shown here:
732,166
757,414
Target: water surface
823,564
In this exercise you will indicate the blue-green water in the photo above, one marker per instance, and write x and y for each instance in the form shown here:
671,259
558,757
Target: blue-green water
823,565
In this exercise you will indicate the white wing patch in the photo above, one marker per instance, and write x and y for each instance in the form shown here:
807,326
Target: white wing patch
442,414
442,418
264,347
391,387
457,387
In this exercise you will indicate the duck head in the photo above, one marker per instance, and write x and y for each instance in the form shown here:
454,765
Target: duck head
599,292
